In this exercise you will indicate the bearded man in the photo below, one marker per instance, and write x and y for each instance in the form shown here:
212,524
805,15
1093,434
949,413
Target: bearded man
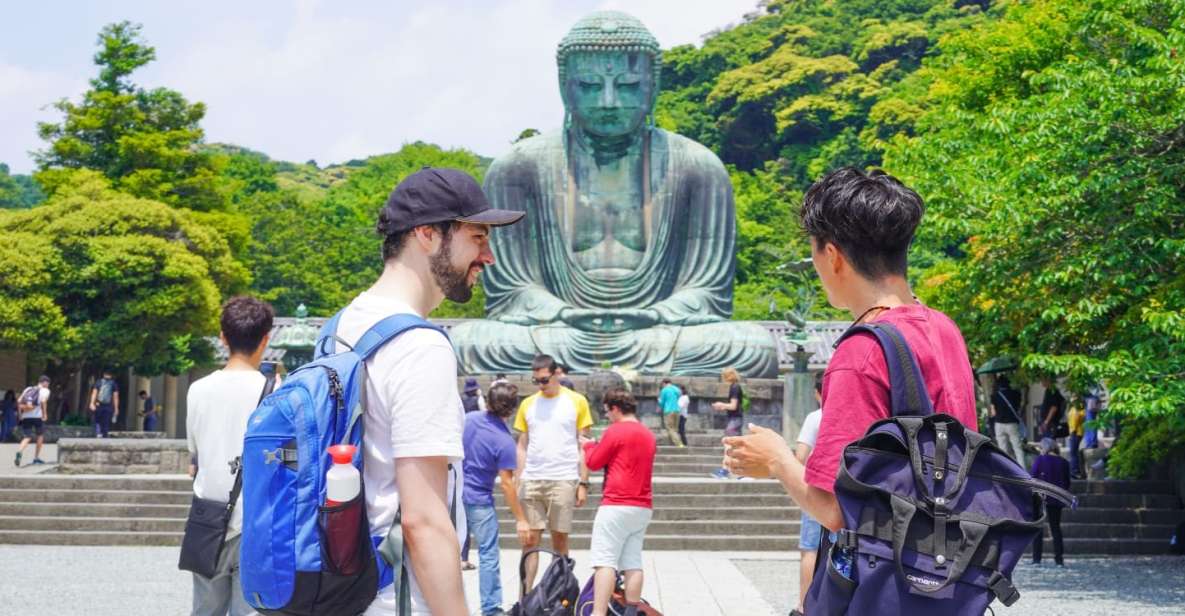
436,242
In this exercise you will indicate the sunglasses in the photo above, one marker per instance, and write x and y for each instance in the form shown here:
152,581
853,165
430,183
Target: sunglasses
543,381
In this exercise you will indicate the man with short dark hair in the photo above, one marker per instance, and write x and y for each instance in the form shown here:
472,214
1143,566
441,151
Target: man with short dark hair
1053,408
105,403
861,225
550,460
626,452
436,229
218,407
489,454
561,373
33,407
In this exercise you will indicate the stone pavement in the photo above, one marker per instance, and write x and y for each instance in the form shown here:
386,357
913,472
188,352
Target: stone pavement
49,453
143,581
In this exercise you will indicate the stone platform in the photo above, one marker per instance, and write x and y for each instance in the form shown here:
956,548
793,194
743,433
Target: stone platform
765,396
120,456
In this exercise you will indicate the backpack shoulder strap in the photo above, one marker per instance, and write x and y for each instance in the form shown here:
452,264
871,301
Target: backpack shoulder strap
327,336
390,327
907,388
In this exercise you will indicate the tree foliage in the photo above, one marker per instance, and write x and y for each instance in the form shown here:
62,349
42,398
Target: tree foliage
18,191
144,141
102,277
1050,146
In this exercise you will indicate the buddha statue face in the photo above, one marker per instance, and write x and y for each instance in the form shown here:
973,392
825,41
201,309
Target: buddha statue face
609,93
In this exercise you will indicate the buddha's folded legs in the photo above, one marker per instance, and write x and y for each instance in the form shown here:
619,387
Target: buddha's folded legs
491,346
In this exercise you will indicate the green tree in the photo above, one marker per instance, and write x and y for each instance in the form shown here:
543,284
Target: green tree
323,250
105,278
1050,147
18,191
144,141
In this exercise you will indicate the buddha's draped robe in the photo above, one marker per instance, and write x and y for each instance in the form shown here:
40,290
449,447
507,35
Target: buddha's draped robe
685,274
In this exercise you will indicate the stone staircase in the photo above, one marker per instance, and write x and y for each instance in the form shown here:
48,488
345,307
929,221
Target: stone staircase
692,510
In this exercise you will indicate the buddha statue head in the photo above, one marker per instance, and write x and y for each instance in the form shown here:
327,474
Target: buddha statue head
609,68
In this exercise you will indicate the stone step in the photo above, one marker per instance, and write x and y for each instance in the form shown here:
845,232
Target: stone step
38,537
118,524
1128,501
82,510
11,495
783,514
1075,547
169,483
702,502
1124,516
691,529
1116,531
1122,487
705,543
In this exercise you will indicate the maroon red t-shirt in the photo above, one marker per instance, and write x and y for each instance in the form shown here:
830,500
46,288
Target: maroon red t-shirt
856,384
626,451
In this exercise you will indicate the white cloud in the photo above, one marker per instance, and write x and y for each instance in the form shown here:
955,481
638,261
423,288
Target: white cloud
333,81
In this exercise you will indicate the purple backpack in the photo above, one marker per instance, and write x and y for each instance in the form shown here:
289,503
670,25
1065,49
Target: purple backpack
935,515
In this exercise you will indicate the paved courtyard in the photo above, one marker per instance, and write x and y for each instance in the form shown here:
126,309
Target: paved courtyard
121,581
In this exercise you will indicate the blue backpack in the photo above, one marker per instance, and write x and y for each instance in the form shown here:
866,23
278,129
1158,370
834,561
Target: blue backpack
298,556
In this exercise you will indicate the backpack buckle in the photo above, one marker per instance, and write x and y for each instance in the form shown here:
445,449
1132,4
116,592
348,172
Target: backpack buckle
1003,589
846,538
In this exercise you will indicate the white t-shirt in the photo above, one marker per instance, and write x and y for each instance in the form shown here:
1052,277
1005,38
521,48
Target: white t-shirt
684,404
218,407
551,425
414,410
810,428
43,402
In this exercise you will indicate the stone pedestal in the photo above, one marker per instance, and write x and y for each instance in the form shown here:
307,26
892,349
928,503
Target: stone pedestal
170,405
765,398
119,456
798,402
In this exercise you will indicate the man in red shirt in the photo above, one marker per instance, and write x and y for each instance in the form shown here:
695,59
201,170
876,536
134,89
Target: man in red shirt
861,225
626,451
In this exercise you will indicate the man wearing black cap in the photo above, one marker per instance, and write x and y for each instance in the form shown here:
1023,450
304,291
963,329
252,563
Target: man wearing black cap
435,228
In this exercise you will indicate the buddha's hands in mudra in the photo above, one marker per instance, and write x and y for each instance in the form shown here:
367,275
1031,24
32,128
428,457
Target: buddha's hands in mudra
609,321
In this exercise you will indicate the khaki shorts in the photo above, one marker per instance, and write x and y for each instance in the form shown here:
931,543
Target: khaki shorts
549,503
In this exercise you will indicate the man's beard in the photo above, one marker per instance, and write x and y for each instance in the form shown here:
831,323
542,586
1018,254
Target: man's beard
454,283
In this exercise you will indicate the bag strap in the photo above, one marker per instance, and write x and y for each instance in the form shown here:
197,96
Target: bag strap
907,388
327,334
383,331
1011,408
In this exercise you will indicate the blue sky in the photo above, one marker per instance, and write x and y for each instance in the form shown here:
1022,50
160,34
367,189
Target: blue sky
331,81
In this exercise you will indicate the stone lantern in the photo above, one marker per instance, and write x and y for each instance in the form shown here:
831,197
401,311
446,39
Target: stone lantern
296,340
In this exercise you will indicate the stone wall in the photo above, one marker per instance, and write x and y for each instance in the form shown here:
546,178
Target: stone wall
119,456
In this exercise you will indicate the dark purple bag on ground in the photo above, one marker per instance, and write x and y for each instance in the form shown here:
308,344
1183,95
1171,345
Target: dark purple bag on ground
935,515
617,604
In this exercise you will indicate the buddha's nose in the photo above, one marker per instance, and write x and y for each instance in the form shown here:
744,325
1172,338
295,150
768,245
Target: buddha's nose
609,96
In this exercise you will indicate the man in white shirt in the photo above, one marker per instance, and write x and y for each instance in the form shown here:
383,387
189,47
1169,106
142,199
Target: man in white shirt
554,476
218,407
811,532
436,227
32,418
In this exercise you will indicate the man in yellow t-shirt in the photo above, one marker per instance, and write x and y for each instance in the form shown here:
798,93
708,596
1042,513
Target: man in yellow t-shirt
553,479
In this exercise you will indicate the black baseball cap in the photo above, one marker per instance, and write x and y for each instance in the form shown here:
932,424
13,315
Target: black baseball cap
439,194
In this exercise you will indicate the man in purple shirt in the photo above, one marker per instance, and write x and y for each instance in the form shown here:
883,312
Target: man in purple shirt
490,452
1052,468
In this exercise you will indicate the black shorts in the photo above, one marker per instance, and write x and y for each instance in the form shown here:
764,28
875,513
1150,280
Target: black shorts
32,427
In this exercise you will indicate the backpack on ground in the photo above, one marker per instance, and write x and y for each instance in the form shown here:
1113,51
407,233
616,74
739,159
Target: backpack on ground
617,603
935,515
30,398
557,590
298,556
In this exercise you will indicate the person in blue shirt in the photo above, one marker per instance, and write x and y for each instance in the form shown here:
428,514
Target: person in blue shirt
668,403
490,453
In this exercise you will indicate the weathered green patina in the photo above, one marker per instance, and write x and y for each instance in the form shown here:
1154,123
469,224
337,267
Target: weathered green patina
627,253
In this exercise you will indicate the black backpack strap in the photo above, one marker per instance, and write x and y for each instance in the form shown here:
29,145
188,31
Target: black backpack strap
236,465
907,388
